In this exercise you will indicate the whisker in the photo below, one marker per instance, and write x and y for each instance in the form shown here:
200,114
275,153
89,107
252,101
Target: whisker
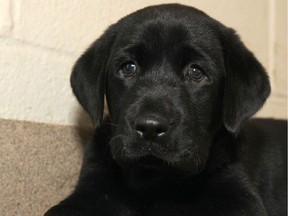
123,149
197,160
187,152
115,137
111,140
118,152
108,123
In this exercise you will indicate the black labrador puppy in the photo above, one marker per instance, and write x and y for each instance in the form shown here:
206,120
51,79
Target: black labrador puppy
180,87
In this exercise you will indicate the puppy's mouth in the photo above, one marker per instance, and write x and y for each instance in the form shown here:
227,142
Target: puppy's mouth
151,162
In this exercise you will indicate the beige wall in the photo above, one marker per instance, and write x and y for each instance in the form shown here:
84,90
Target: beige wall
40,40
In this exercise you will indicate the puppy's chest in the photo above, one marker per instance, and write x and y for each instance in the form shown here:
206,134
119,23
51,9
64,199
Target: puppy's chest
167,193
169,202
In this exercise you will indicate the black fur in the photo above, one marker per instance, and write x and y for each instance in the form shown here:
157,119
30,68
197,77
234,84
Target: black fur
176,143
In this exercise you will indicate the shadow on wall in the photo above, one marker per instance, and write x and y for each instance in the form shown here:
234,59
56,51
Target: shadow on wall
84,126
82,118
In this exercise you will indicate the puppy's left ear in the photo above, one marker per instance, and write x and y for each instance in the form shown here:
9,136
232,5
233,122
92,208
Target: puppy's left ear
88,76
246,84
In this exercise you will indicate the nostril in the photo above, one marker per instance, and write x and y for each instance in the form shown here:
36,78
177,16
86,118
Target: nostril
151,127
140,128
161,130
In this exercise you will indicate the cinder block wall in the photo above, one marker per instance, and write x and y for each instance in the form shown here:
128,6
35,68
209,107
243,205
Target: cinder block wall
40,40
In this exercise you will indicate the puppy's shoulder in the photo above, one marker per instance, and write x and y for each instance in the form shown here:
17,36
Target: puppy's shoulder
266,131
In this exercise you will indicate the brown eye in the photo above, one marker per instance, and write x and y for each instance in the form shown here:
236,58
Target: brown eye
129,69
195,73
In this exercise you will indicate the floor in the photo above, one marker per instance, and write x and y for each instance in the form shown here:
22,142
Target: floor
39,165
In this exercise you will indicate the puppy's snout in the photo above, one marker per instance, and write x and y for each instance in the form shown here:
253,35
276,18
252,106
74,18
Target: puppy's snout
151,127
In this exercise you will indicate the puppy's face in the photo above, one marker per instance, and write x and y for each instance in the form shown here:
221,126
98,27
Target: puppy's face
173,77
163,93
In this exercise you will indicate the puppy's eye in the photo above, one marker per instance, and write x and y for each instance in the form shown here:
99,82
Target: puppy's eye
129,69
195,73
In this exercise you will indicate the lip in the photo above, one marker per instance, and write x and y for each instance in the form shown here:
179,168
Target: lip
151,162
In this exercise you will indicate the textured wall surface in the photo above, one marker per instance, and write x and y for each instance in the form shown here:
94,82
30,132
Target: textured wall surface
40,40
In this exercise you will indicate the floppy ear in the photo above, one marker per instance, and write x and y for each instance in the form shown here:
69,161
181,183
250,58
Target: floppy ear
246,84
88,76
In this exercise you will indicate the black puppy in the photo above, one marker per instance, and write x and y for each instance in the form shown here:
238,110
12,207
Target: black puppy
179,87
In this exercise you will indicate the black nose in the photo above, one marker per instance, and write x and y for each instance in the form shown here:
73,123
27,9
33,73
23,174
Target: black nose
151,127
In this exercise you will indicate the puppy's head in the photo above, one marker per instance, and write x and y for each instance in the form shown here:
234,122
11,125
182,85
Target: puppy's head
173,77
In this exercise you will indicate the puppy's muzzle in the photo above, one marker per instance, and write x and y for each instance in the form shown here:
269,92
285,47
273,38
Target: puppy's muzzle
151,128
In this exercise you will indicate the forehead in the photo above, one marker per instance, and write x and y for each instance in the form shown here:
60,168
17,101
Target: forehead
167,32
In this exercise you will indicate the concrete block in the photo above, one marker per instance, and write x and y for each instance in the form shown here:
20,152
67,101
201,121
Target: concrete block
69,26
34,84
275,107
6,22
73,25
280,55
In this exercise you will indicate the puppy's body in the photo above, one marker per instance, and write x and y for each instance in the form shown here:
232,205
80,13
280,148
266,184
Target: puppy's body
179,86
264,149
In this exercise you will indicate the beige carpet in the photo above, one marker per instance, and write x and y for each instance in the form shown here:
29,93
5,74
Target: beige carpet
39,165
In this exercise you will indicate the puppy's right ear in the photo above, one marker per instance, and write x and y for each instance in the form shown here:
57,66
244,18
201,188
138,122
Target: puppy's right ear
88,76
